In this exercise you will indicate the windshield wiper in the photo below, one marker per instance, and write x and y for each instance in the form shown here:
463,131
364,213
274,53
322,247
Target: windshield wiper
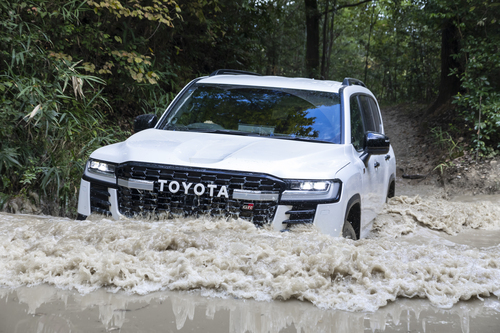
226,131
209,130
176,128
299,138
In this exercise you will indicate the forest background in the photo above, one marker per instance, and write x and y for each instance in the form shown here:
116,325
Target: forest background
75,73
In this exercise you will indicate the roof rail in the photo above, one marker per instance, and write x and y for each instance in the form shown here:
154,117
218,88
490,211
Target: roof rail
232,71
353,82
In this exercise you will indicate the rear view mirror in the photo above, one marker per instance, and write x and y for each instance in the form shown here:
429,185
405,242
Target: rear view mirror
144,121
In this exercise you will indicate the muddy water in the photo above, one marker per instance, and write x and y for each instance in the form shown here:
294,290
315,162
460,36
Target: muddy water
429,265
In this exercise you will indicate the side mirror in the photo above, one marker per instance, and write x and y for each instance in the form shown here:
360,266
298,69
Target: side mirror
375,144
144,121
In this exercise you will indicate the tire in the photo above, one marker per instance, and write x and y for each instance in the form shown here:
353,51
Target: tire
391,190
348,231
352,219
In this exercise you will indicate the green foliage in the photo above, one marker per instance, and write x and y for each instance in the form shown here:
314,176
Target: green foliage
479,100
52,115
162,10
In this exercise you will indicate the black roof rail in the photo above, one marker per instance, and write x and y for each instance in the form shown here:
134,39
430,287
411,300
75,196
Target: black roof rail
233,71
353,82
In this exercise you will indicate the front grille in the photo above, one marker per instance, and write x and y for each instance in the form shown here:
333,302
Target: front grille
301,213
99,199
137,202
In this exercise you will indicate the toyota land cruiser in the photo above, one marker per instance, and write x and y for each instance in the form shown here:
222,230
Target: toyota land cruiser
268,149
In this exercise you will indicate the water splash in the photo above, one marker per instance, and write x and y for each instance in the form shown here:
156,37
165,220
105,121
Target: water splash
403,257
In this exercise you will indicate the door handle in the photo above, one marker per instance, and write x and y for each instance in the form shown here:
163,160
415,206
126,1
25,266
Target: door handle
387,157
377,164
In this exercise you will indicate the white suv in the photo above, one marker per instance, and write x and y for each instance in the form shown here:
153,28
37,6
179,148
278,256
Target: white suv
268,149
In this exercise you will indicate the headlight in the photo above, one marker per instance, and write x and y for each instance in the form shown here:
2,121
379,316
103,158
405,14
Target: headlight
312,190
306,185
100,170
101,167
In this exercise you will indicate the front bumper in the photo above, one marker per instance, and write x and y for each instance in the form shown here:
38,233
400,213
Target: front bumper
329,218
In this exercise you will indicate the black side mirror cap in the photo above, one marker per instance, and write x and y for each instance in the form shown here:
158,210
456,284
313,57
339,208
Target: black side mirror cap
375,144
144,121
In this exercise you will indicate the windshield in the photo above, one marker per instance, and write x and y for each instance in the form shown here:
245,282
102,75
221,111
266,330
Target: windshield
271,112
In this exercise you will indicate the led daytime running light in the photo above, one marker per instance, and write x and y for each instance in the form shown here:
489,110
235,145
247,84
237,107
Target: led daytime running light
101,167
310,185
312,190
102,171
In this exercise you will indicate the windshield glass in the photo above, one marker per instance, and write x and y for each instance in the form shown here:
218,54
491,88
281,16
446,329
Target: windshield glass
270,112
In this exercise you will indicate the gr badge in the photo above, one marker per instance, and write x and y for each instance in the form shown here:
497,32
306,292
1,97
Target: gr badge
248,206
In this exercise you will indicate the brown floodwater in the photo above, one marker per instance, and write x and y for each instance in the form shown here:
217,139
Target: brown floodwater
430,265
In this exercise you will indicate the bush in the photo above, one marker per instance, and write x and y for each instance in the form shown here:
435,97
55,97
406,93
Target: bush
52,116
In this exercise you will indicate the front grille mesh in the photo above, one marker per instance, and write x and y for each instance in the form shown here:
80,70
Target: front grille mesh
135,202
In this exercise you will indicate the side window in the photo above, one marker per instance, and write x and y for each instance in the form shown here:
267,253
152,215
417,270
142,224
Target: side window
367,114
357,131
376,114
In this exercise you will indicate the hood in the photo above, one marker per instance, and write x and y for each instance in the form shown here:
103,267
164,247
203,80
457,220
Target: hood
278,157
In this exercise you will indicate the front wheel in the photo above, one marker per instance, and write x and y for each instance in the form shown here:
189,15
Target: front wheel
348,231
352,220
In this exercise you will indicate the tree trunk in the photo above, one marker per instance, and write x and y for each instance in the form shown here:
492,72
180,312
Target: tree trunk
372,24
449,84
325,38
330,42
312,38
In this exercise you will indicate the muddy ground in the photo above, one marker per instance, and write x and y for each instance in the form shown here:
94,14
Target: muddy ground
429,157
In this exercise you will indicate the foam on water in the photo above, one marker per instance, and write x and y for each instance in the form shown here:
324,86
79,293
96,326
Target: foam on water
403,258
402,215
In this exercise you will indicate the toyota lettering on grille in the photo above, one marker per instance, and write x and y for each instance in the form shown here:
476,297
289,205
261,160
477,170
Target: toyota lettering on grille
198,188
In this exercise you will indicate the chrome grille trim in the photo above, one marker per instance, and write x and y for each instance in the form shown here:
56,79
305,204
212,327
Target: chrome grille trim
137,184
255,195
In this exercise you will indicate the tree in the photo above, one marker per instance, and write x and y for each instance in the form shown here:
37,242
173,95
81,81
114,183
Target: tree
450,47
470,68
313,16
312,37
